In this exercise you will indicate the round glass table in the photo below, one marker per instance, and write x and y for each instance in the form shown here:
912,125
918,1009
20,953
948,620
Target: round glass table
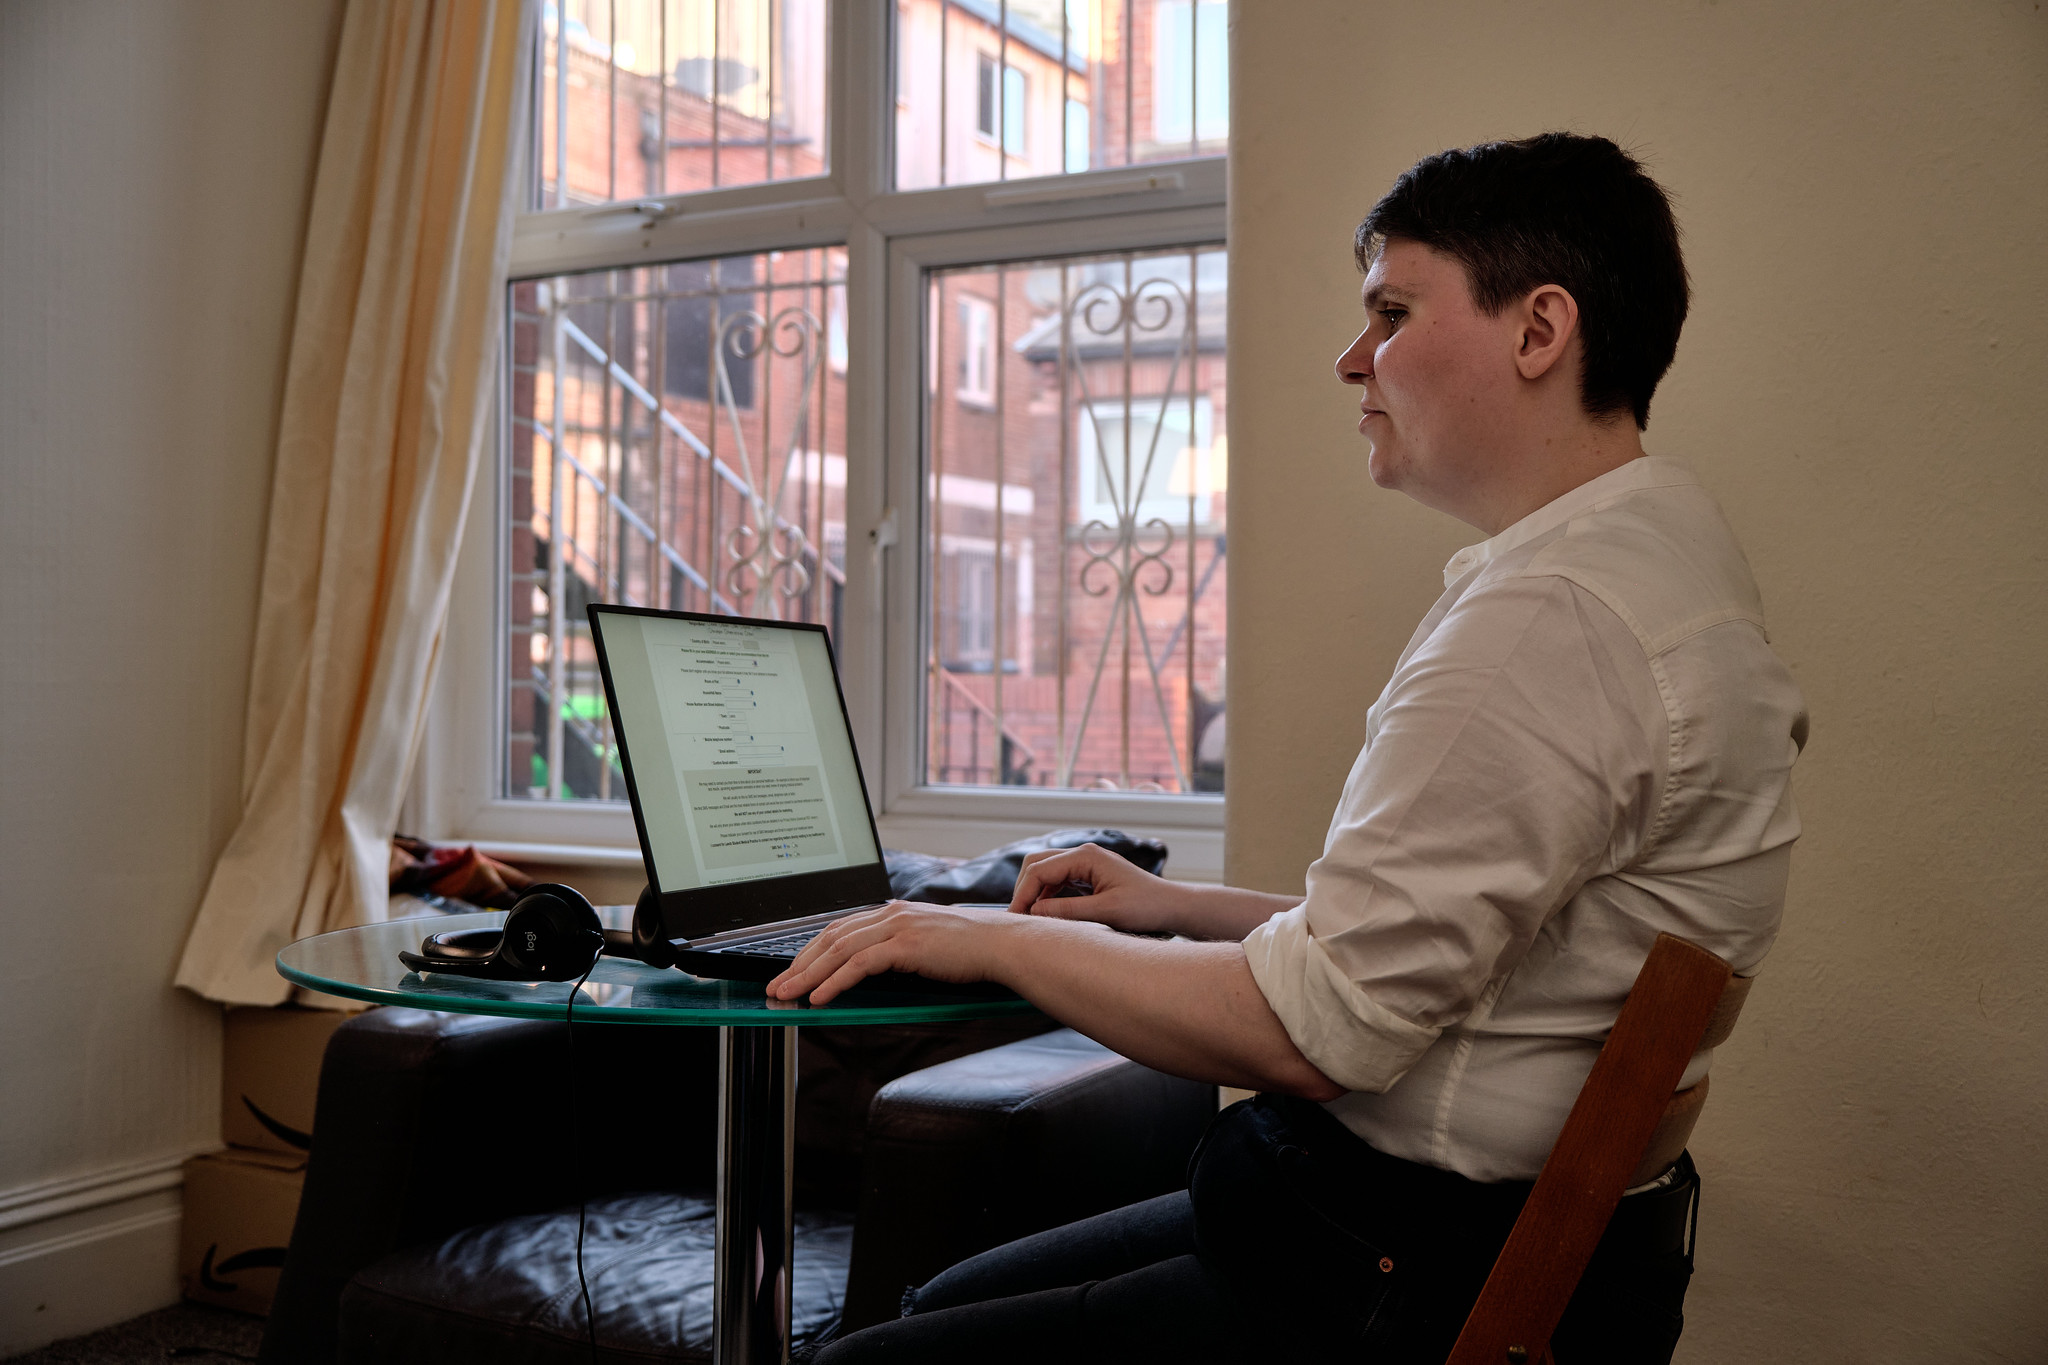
757,1077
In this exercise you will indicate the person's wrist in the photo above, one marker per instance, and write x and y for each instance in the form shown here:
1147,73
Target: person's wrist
1185,906
1014,944
1008,943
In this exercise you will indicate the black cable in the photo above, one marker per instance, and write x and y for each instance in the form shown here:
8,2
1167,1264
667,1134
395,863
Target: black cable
582,1197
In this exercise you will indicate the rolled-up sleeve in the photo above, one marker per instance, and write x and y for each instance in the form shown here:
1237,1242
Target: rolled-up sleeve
1519,750
1352,1039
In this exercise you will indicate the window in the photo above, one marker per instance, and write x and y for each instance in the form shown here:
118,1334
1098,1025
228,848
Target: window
1014,122
770,354
1145,444
1076,550
674,442
1191,73
1077,137
835,331
985,115
1002,122
1101,108
643,98
977,352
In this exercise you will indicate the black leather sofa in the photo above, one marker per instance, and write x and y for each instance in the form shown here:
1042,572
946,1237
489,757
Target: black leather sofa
439,1216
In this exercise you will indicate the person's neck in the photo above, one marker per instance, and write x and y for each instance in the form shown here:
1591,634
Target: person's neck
1548,467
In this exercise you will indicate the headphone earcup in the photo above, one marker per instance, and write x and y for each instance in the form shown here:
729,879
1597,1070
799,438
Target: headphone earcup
450,966
462,945
649,942
458,952
552,934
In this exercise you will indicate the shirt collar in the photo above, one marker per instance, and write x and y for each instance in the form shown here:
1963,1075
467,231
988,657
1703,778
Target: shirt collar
1648,471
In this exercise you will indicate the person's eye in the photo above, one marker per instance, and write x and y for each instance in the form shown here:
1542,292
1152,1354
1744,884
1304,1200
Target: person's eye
1393,317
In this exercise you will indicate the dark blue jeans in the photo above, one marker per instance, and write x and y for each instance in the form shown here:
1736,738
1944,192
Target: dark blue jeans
1121,1287
1297,1242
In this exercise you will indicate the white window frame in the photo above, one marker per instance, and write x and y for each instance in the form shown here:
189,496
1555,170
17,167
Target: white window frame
891,238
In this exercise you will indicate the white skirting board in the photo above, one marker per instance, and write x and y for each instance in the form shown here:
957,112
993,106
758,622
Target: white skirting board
87,1251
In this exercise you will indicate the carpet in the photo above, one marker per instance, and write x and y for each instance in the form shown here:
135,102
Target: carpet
185,1331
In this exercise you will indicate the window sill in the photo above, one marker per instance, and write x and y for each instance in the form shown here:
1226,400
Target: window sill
959,823
561,855
1195,851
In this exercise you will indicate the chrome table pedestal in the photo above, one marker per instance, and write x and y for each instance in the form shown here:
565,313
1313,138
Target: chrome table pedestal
756,1146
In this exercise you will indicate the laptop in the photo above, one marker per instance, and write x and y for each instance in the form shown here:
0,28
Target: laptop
747,793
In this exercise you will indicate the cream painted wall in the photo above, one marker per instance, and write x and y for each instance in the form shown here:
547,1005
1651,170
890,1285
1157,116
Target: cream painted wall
1863,190
155,167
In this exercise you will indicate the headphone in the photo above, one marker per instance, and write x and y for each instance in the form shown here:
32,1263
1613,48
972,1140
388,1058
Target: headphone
552,934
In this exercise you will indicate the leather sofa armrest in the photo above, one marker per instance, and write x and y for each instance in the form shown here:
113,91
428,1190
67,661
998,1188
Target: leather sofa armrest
975,1152
427,1122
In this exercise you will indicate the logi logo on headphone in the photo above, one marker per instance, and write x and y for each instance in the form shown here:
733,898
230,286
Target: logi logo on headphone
532,940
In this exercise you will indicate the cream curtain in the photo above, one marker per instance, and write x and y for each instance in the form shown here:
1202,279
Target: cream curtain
393,348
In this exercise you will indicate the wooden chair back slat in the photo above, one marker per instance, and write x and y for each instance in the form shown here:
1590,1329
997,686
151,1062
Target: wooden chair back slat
1725,1013
1673,1131
1676,997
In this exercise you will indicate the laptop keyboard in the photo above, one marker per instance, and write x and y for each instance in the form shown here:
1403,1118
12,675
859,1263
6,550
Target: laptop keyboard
787,946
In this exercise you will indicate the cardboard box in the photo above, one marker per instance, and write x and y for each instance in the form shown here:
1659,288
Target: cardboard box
270,1073
239,1209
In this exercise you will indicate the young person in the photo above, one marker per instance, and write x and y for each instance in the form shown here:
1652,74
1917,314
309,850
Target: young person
1587,742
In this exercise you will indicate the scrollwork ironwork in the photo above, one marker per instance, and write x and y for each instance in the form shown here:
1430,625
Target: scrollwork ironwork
768,553
1117,558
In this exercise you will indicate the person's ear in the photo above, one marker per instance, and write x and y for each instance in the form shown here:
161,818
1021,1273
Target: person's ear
1549,320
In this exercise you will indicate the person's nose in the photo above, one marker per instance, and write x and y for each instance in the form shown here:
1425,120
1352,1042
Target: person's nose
1355,365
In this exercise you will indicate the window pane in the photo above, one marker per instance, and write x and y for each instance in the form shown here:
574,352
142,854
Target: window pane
677,439
1086,84
660,97
1074,523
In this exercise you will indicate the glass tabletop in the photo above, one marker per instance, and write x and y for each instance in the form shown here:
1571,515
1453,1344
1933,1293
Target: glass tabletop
362,964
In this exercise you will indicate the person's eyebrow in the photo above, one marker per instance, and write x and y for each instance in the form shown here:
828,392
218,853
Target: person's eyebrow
1385,292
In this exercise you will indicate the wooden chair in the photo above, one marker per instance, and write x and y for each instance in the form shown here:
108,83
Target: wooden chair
1625,1128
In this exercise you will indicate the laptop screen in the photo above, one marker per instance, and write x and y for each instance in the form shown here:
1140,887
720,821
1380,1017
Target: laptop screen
741,765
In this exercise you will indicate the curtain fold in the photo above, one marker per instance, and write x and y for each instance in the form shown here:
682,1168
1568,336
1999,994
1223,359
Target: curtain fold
394,348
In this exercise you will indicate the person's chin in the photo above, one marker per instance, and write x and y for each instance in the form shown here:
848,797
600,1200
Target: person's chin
1380,464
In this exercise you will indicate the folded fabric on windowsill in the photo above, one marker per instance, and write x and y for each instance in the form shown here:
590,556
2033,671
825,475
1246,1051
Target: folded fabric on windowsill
453,872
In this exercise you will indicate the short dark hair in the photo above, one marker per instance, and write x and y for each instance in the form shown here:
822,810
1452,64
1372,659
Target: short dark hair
1577,212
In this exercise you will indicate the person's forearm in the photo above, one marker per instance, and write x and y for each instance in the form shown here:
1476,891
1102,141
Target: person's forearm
1225,912
1189,1009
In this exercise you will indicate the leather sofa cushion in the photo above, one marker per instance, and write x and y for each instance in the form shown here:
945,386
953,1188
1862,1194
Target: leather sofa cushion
839,1071
505,1293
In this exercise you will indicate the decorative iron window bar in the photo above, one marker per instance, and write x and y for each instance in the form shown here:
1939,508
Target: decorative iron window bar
683,456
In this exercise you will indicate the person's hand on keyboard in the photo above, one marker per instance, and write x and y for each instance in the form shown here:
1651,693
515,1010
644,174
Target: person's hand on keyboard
944,942
1092,883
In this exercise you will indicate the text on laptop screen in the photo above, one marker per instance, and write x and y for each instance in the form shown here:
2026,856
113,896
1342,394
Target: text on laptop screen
740,753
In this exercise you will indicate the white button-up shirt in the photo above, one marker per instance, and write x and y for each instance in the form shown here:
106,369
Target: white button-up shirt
1587,742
